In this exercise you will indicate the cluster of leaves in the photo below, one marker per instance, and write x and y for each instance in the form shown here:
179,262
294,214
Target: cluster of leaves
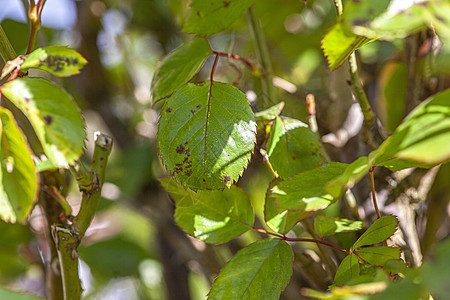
207,133
55,119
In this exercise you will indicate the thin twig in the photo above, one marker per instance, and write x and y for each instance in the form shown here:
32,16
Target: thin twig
247,62
268,90
285,238
374,197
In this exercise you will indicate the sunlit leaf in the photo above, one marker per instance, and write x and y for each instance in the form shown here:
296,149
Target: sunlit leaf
262,269
58,60
179,67
212,216
339,43
206,135
379,255
295,198
379,231
54,116
352,174
208,17
282,221
390,26
18,180
326,226
423,137
348,270
293,148
269,114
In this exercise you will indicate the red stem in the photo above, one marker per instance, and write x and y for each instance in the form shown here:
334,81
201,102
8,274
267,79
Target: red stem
237,57
285,238
374,197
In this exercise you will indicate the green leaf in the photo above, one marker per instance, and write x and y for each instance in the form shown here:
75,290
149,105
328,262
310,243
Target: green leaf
393,100
359,13
18,180
269,114
379,231
58,60
179,67
282,221
400,164
54,116
44,165
15,295
348,270
206,135
423,137
326,226
338,44
261,270
352,174
390,26
214,217
292,147
295,198
208,17
379,255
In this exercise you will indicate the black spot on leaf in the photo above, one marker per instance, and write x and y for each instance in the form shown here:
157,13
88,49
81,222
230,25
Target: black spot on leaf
168,110
226,3
180,149
48,119
226,179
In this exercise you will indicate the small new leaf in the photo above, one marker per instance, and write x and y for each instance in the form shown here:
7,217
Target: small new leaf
379,231
18,180
179,67
214,217
326,226
206,134
261,269
58,60
269,114
339,43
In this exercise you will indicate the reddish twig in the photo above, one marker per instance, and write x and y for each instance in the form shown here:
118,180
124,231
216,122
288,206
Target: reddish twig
239,73
374,197
247,62
288,239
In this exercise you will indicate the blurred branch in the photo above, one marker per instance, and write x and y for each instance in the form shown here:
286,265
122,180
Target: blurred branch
263,57
6,49
360,95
